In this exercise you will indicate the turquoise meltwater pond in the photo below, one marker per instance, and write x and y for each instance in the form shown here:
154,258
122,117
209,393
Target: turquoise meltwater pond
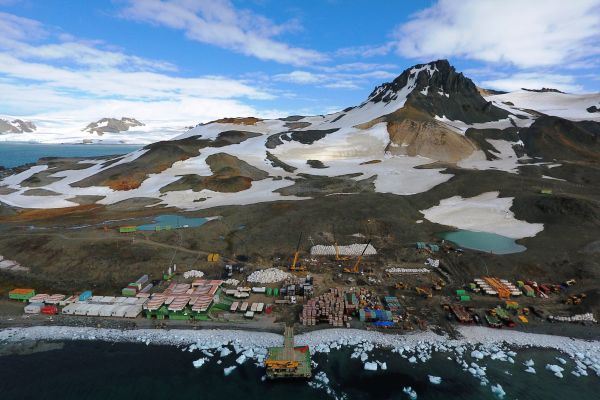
164,222
483,241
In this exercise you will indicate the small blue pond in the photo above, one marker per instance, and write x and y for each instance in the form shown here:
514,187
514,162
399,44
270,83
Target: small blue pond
482,241
166,222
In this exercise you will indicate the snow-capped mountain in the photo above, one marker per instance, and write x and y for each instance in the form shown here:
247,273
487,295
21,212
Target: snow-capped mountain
407,137
16,126
112,125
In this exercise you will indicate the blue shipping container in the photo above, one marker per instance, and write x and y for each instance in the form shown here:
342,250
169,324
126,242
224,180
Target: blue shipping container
85,295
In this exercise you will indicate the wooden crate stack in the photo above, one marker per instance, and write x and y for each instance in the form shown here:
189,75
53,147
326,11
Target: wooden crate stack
329,307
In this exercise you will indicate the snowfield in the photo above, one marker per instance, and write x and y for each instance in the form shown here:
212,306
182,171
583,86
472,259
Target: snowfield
564,105
484,213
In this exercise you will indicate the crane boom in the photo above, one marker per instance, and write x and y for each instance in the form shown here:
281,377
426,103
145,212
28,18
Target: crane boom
293,267
354,269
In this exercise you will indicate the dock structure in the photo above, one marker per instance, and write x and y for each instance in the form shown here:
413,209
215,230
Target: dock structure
288,361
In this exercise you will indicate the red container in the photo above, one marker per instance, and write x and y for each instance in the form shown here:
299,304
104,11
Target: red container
49,310
268,309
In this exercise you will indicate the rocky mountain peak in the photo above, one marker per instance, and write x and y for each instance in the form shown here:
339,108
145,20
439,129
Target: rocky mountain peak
16,126
112,125
437,89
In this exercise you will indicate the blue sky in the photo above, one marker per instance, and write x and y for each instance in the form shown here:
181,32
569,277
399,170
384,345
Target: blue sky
190,61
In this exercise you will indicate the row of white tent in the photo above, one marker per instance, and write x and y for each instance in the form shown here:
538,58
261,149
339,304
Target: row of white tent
127,307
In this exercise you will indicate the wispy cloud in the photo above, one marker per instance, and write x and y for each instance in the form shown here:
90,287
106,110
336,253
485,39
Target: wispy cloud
334,77
219,23
366,51
534,80
43,71
525,34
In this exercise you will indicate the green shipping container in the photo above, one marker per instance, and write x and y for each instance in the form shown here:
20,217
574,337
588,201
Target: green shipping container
127,229
269,292
465,298
21,294
128,292
461,292
276,292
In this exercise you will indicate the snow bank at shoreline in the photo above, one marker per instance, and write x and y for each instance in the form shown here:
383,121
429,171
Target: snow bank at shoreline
471,352
320,341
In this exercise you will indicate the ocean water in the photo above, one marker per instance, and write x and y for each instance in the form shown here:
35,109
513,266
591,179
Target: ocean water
99,370
13,154
483,241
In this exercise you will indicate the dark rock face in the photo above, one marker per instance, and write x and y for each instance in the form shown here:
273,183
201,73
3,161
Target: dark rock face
561,139
438,89
304,137
593,109
16,126
543,90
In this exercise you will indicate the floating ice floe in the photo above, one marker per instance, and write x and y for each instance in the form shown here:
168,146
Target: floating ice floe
228,370
477,354
530,370
529,363
199,362
410,392
498,391
436,380
241,359
370,366
557,370
382,365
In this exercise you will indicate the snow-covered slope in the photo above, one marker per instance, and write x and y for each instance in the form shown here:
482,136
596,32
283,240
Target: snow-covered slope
565,105
66,130
430,113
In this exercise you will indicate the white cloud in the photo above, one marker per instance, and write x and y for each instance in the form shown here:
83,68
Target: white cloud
533,80
522,33
365,51
302,77
13,27
335,80
219,23
48,75
141,85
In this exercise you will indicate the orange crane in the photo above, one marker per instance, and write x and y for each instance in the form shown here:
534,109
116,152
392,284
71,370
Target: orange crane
354,269
337,250
424,292
295,267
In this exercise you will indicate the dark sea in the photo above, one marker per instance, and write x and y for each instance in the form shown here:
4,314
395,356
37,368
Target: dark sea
13,154
81,370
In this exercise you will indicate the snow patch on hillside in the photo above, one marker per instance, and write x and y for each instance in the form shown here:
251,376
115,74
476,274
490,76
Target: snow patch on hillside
484,213
564,105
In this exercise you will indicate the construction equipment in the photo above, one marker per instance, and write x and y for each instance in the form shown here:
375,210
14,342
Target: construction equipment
354,269
295,267
401,285
424,292
570,282
575,299
438,284
288,361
